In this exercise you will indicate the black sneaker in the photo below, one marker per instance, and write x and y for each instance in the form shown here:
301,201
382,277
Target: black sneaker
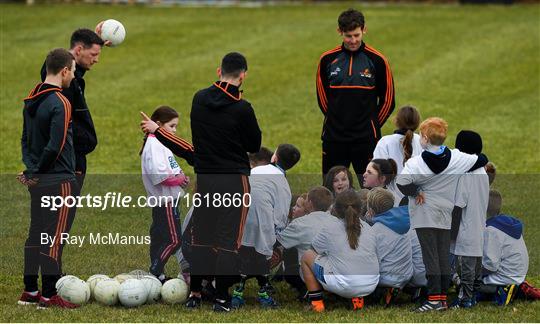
208,292
269,288
222,306
193,302
429,306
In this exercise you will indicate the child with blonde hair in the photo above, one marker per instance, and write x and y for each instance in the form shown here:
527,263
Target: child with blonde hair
394,252
431,180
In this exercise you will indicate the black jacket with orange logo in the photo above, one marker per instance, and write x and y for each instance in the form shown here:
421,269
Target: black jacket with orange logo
47,143
355,92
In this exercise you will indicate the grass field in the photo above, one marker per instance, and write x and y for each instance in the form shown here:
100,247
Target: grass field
477,67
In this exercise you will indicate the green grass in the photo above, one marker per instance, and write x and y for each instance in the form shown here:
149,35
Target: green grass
477,67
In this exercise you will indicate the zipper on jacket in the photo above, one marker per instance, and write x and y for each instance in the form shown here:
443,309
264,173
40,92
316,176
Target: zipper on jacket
350,66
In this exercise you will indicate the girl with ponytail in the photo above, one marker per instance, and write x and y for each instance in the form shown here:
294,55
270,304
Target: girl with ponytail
382,173
343,258
404,143
163,180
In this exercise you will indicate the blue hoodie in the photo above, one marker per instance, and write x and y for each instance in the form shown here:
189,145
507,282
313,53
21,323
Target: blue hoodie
397,219
507,224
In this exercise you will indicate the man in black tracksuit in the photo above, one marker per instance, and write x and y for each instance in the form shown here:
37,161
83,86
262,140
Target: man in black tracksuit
355,92
48,154
85,46
224,128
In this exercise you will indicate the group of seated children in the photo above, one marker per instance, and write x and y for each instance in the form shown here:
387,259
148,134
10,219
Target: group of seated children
420,216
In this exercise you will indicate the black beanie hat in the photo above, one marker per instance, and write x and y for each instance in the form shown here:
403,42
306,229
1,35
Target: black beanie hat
469,142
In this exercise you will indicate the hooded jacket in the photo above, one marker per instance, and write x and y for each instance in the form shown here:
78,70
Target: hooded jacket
507,224
505,258
47,144
396,219
394,249
223,128
84,133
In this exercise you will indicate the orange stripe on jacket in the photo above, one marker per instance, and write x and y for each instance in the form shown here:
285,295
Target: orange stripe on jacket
175,139
320,86
42,92
67,117
227,93
389,86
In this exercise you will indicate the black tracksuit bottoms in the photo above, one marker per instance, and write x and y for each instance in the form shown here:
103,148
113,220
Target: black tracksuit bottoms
40,254
435,245
345,154
165,236
218,225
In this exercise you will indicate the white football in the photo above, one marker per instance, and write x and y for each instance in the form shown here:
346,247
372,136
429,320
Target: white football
153,286
123,277
75,291
138,274
106,292
93,280
132,293
113,30
174,291
63,280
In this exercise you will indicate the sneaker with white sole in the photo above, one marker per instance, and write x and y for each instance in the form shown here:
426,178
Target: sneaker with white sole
222,306
193,302
55,301
28,298
431,306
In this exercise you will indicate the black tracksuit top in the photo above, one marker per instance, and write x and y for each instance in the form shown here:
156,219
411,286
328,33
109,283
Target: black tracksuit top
223,129
355,92
46,141
84,133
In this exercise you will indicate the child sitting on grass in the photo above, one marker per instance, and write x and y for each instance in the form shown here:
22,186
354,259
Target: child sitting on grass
506,259
394,252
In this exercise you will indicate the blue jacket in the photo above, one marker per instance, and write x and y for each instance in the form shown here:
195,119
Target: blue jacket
507,224
397,219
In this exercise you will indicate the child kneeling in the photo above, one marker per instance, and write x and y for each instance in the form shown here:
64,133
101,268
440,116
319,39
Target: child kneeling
343,259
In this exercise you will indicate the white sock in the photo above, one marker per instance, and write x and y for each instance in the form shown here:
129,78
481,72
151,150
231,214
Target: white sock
32,293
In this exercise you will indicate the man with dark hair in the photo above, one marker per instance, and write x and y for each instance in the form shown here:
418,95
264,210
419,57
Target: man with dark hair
48,154
355,92
85,46
224,129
